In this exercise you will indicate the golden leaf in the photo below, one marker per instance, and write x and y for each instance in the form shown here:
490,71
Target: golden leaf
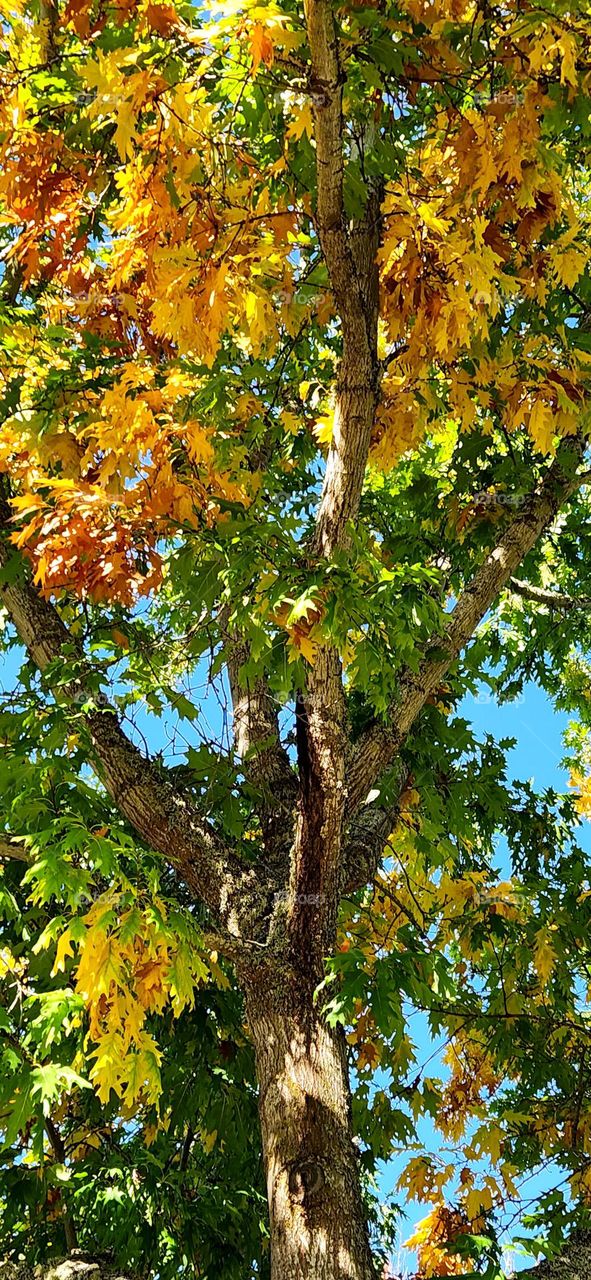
544,955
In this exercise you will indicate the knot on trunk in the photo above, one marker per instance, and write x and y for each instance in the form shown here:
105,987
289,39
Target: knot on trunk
305,1179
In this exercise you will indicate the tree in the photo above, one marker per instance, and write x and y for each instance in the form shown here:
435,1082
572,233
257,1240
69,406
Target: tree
295,404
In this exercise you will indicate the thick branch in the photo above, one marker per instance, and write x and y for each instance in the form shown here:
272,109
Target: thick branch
350,253
13,850
378,746
350,256
364,847
165,818
316,855
552,599
258,744
366,839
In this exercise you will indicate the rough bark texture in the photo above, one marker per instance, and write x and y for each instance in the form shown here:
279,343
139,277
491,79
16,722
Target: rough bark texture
350,252
573,1262
315,863
319,1227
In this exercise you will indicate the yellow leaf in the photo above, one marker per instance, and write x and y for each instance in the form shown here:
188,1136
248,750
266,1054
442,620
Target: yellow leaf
477,1201
541,425
290,421
301,123
431,219
125,134
300,644
259,317
583,797
507,1172
208,1140
106,1070
323,428
544,955
64,949
8,962
488,1140
150,1134
569,266
433,1239
568,66
100,965
199,446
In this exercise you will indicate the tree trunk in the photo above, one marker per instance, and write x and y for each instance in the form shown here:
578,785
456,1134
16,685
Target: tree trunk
318,1223
572,1263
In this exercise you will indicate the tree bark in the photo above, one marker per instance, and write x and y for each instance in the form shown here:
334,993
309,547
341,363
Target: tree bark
572,1263
318,1223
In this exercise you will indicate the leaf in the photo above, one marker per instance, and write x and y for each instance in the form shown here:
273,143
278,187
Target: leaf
478,1201
568,47
544,955
20,1107
185,708
301,123
324,428
569,266
261,47
541,425
63,950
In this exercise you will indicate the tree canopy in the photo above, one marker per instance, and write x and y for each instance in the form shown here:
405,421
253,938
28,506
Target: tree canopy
295,316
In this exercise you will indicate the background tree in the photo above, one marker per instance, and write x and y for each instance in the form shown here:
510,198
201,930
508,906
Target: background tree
295,409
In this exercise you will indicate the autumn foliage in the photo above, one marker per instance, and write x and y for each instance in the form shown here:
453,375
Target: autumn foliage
171,338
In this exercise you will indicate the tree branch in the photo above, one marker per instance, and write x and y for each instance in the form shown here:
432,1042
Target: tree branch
257,740
552,599
367,837
364,847
13,850
378,745
77,1266
164,817
350,255
59,1151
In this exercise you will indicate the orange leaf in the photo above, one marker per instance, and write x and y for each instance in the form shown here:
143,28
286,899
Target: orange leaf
261,47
